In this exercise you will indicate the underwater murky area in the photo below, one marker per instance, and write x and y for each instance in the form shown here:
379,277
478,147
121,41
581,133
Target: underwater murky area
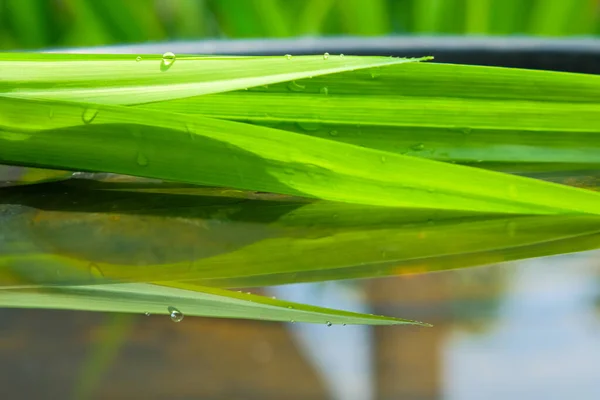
526,329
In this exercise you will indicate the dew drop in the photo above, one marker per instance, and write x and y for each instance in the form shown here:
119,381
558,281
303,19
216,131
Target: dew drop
290,307
95,271
383,159
288,56
141,159
274,297
292,321
296,87
138,58
88,115
168,58
51,114
175,314
328,324
325,56
333,133
466,131
341,56
324,90
418,147
147,314
343,324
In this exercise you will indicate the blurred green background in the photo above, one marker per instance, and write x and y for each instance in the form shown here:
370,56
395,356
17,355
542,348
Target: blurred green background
26,24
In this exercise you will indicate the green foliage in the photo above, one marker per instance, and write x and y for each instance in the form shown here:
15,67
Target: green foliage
54,23
332,138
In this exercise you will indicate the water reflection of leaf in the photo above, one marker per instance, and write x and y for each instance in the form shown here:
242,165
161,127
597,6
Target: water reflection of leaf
84,233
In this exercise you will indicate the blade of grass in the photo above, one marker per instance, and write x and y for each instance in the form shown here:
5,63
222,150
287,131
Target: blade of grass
364,17
129,21
190,19
509,17
28,20
222,153
12,176
459,113
119,79
438,16
103,354
447,112
314,15
189,299
559,18
87,28
238,18
273,17
478,17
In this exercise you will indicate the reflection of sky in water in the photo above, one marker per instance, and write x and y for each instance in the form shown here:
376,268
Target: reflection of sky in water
545,343
342,354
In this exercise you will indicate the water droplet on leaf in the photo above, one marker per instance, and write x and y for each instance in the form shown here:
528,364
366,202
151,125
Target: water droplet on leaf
175,314
325,56
168,58
138,58
333,133
88,115
95,271
418,147
324,90
296,87
147,314
328,324
288,56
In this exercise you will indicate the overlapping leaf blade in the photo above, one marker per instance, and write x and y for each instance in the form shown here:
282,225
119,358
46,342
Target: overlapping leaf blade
494,117
198,301
75,112
199,150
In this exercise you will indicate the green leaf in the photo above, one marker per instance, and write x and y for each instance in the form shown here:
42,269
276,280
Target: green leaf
497,118
120,79
212,152
189,299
